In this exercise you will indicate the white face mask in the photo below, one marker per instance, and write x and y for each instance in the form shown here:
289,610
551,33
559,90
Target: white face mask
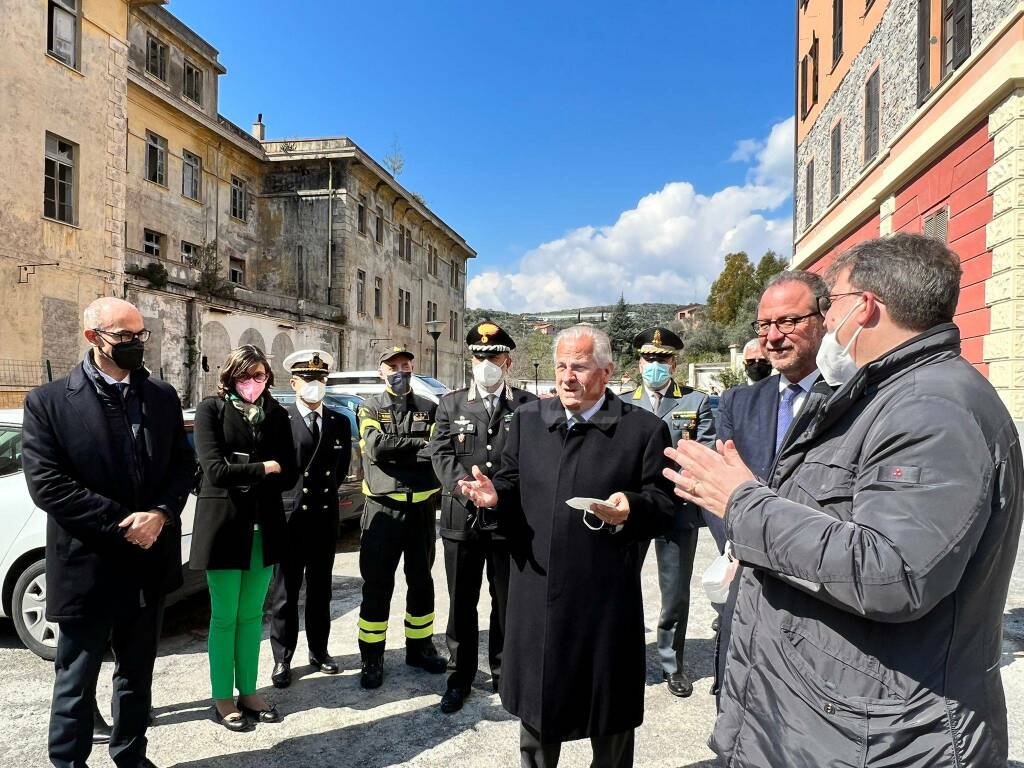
487,374
835,362
313,391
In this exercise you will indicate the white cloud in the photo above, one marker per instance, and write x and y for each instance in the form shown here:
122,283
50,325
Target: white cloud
669,247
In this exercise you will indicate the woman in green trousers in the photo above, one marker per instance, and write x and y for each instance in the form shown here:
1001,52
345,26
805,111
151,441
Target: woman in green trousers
244,443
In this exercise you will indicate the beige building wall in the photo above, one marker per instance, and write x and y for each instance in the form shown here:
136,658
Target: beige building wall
84,104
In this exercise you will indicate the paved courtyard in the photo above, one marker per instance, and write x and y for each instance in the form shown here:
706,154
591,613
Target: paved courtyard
331,721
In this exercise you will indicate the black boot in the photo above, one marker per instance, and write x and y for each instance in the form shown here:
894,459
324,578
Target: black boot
424,656
372,674
100,729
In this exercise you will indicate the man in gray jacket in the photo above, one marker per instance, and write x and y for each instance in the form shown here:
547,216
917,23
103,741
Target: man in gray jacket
868,624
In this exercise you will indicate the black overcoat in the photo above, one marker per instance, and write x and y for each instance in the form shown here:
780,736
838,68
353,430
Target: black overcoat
225,512
574,659
75,476
465,435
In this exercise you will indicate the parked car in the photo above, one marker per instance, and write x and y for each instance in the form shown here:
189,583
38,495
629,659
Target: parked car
23,546
366,383
350,492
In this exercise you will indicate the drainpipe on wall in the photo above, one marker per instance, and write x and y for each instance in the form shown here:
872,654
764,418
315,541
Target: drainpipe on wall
330,229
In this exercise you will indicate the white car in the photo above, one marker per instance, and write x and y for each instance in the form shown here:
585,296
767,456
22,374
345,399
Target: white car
23,546
367,383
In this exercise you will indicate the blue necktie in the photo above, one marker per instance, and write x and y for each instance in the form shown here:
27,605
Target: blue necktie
122,389
786,413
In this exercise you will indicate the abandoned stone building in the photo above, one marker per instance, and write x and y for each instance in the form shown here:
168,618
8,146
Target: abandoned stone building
220,237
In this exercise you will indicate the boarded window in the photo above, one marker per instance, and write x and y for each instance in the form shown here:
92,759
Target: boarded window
872,124
836,159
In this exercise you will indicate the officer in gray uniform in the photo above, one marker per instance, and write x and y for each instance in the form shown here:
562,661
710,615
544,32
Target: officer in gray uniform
687,412
471,428
398,518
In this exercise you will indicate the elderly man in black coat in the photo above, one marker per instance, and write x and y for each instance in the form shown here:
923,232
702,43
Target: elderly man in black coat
574,660
106,457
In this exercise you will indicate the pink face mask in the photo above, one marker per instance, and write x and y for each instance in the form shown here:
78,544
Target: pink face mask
250,390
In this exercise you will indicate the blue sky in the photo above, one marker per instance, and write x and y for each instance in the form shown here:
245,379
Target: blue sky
582,148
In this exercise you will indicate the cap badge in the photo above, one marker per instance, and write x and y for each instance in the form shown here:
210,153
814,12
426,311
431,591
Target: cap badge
657,338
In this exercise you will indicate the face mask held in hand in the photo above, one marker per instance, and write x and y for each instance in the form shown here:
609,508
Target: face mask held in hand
834,361
657,375
487,374
398,382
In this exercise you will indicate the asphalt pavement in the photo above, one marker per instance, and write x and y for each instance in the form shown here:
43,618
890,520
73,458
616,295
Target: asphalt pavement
331,721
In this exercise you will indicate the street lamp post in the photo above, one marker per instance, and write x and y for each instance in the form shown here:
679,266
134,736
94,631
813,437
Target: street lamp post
434,330
536,384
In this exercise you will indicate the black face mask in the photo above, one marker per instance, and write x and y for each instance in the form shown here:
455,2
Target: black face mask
127,355
399,383
758,369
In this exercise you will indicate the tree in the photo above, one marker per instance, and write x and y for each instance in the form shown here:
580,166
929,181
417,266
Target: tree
734,284
394,160
769,266
621,331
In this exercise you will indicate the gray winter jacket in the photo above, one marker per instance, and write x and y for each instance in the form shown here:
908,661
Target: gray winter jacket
867,629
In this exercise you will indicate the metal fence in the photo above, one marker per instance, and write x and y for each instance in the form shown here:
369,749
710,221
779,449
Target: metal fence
31,373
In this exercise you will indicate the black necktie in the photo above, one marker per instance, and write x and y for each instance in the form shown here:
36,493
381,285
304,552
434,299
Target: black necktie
314,427
122,389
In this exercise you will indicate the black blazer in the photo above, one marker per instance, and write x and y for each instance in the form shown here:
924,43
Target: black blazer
74,476
321,467
226,512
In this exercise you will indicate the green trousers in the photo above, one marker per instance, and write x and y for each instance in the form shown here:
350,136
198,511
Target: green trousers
236,623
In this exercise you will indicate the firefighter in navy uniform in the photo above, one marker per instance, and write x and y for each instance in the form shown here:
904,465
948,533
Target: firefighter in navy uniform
398,518
471,428
323,447
688,414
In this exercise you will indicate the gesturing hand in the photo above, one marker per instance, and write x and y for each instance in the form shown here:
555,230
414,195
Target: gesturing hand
143,528
708,478
479,490
615,511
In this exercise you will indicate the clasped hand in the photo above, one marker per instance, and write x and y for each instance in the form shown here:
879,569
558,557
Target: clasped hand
707,478
143,528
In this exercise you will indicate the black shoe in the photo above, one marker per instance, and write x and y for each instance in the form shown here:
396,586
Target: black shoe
236,721
495,682
453,699
100,728
270,715
425,656
679,684
281,677
372,673
326,664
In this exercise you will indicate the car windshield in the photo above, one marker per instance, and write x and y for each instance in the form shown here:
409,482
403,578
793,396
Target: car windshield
433,383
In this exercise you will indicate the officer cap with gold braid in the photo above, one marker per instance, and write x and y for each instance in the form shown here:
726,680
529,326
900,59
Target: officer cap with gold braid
657,341
487,338
309,361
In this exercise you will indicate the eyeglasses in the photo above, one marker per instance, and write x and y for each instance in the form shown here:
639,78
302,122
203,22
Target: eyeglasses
785,325
825,302
259,378
125,337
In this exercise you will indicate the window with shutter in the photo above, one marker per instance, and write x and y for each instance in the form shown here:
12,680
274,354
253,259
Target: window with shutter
803,87
924,44
836,167
814,71
936,225
871,117
956,34
809,194
837,31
